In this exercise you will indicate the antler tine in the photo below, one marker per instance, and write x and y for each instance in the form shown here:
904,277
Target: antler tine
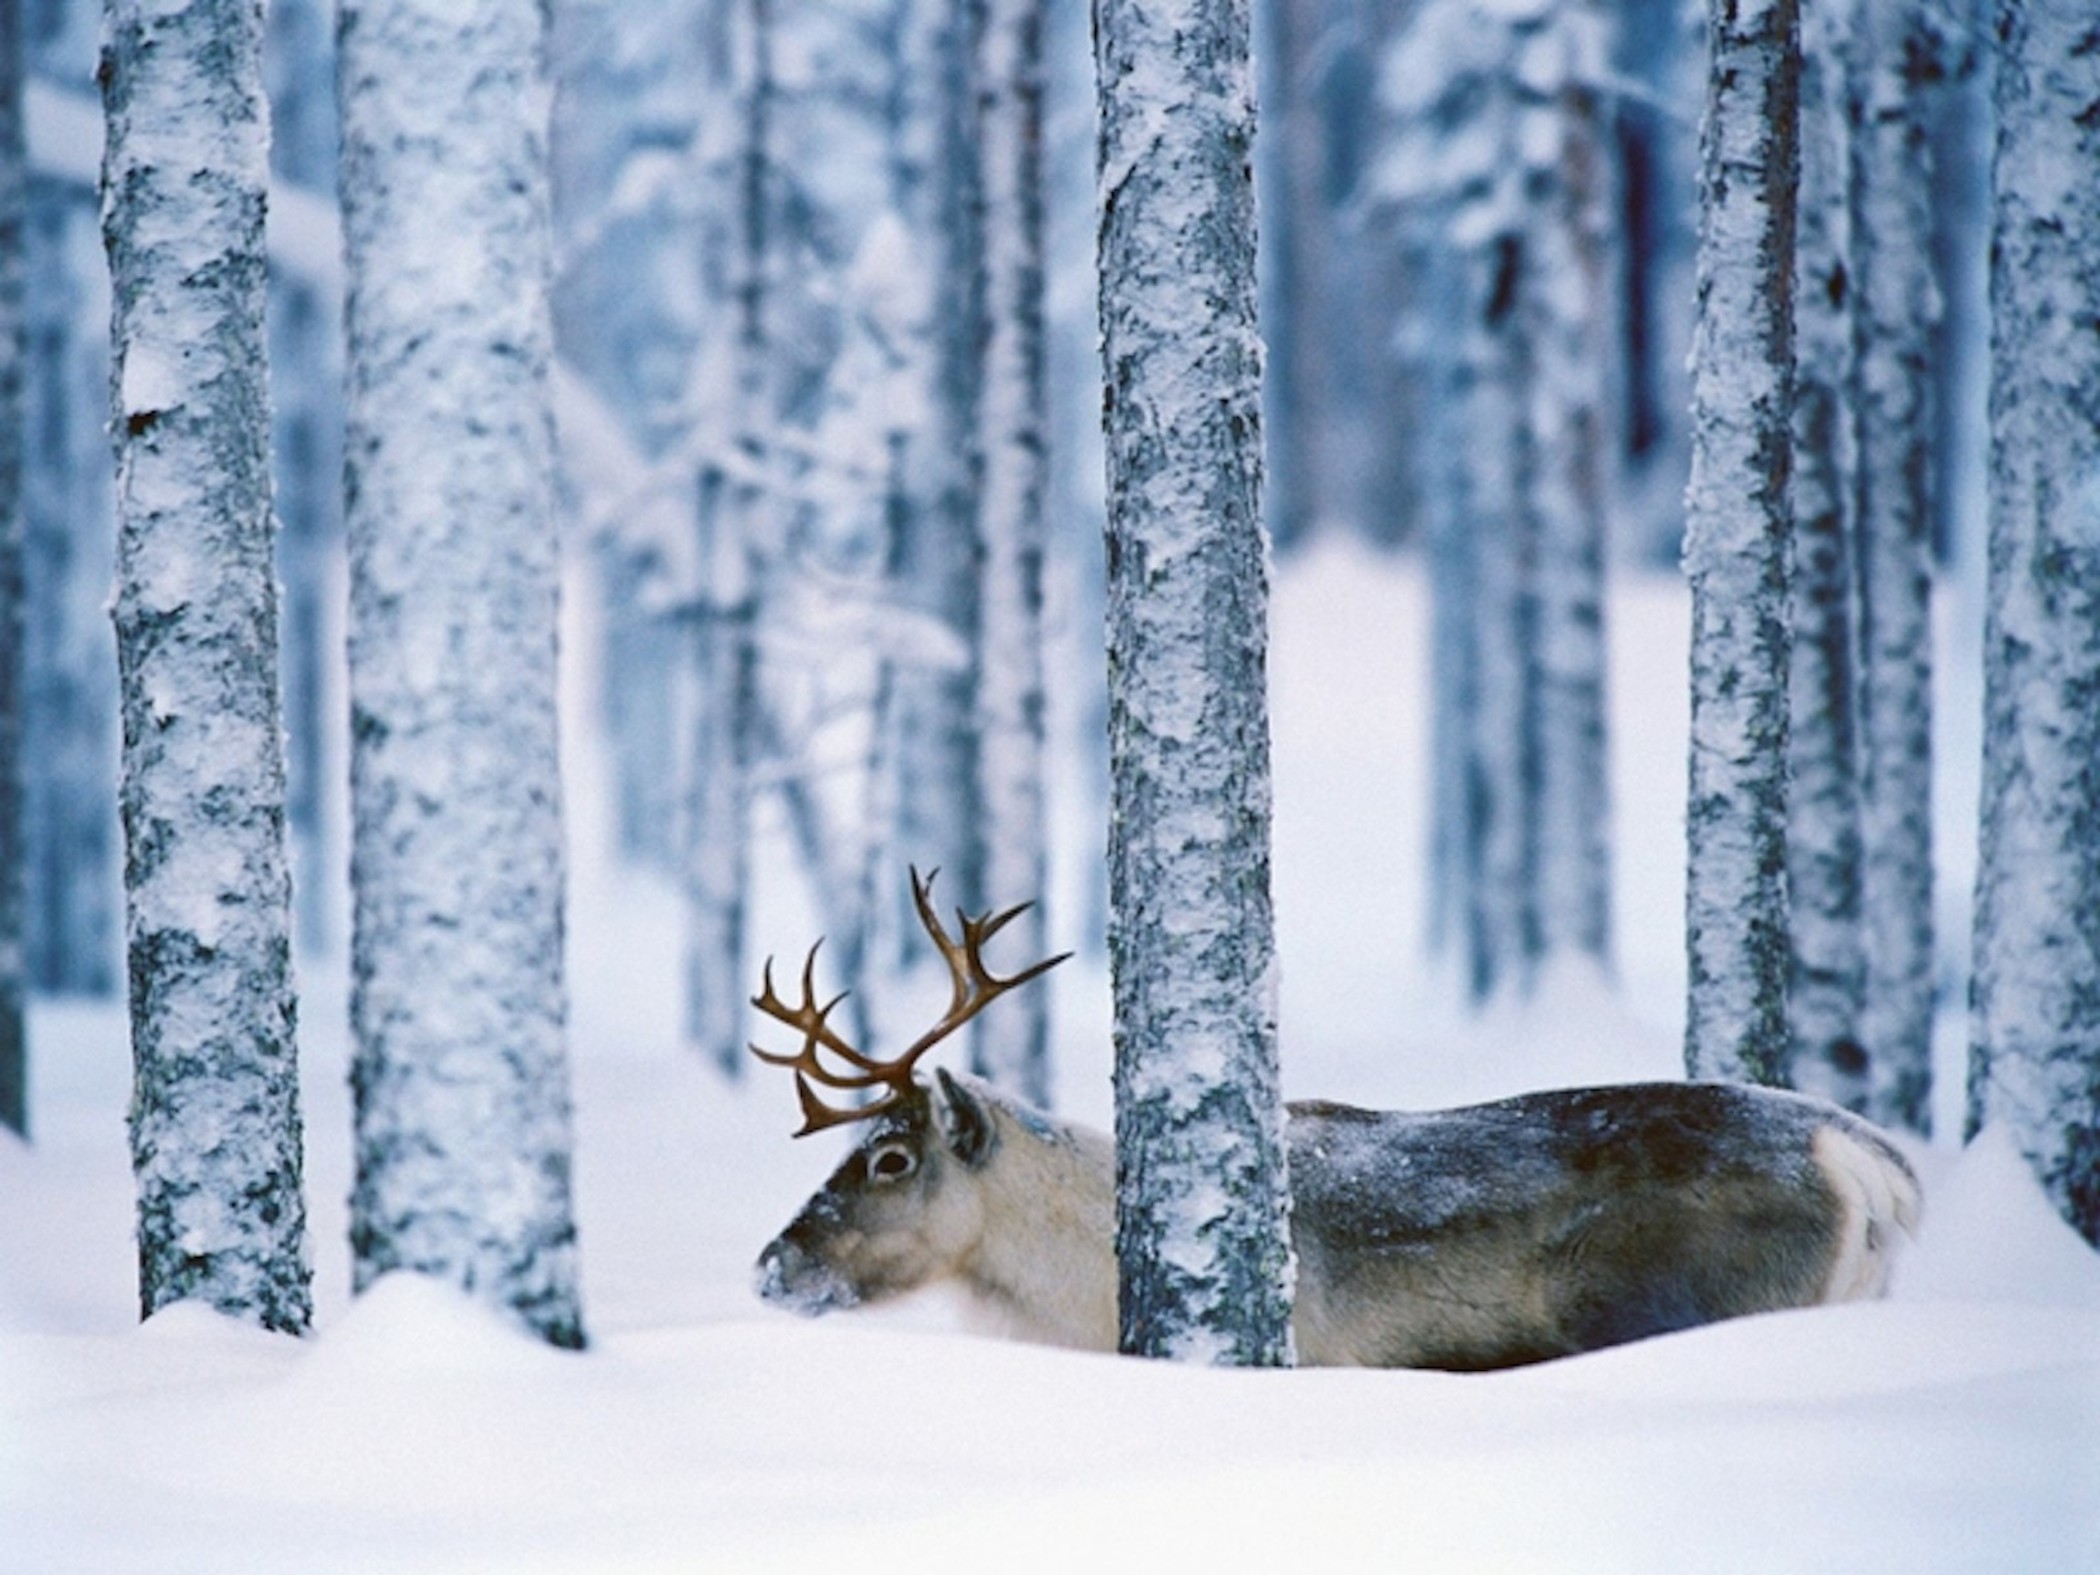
812,1022
974,985
975,988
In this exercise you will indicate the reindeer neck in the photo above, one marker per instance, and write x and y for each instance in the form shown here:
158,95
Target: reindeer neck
1047,1259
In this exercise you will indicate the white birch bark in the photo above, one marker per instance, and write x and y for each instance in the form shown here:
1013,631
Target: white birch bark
1012,1047
1202,1204
459,1000
1897,300
215,1134
1738,546
14,215
2035,1048
1826,981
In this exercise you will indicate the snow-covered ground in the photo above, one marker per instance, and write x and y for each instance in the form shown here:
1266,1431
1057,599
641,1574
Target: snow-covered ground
1955,1427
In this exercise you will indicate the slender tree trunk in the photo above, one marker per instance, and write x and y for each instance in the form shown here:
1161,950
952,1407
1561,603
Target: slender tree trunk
1827,976
307,377
1738,546
70,728
2035,1050
1569,308
939,803
1012,1048
736,510
1202,1205
215,1118
1897,309
14,350
459,1000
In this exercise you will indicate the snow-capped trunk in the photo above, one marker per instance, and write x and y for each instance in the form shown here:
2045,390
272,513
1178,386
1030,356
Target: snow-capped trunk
215,1136
458,1001
2035,1049
14,213
1827,975
1897,306
1202,1206
1738,546
1011,1047
1571,316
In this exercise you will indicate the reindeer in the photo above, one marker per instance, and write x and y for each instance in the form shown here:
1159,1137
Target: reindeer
1468,1239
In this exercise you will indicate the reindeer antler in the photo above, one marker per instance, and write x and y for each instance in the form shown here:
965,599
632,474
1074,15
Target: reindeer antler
975,988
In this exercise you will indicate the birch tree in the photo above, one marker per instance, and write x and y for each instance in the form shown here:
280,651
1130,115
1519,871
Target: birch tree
1202,1207
14,206
733,498
1897,309
1737,546
74,918
1826,984
2034,1063
1012,1049
458,1002
215,1133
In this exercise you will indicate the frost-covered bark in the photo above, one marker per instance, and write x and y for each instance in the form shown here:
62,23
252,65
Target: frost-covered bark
1827,976
215,1135
1202,1204
1012,1047
1738,546
14,214
458,1001
1897,305
2035,1052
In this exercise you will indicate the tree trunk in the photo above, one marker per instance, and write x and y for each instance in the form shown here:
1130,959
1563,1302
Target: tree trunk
14,215
215,1118
70,729
939,805
1897,309
1570,312
1012,1048
1826,981
1738,547
2035,1052
1202,1206
459,1000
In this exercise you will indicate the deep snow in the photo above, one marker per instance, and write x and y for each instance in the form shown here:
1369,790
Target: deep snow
1955,1427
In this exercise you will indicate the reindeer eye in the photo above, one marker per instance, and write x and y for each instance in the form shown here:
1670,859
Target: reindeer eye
892,1162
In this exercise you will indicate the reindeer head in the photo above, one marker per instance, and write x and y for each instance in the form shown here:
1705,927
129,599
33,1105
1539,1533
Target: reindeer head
901,1211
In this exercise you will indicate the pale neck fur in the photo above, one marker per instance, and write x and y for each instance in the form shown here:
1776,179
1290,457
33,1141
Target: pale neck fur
1044,1266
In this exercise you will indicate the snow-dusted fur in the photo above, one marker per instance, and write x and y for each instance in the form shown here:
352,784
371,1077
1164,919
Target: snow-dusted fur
1473,1238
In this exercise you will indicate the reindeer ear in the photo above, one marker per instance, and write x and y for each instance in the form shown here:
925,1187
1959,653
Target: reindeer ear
966,1123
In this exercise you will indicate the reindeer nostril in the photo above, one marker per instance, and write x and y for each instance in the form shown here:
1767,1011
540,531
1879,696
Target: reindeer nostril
788,1276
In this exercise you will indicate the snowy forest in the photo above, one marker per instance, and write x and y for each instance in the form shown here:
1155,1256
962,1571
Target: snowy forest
1531,563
